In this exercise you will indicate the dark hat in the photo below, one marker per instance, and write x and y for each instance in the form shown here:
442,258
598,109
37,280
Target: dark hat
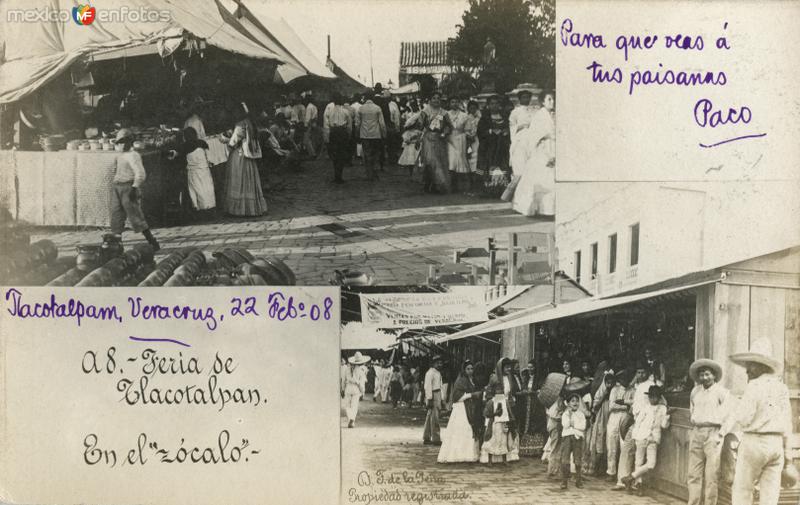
578,387
654,391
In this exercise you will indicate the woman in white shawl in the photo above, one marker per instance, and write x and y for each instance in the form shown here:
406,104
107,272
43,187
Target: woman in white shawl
535,193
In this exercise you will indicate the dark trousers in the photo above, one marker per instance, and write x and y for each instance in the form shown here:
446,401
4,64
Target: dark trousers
571,446
339,150
372,153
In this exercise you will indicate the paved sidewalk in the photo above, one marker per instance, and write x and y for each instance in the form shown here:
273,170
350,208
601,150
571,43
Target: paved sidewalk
390,441
387,228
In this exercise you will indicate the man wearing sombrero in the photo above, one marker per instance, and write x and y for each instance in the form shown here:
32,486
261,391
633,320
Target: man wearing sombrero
764,415
353,383
708,404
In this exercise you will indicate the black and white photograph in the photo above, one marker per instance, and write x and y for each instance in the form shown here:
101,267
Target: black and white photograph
419,296
344,141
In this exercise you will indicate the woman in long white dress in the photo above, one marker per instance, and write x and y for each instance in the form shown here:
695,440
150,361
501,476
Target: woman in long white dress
461,439
457,162
535,193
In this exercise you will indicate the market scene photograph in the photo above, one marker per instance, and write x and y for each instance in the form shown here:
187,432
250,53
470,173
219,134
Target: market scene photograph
649,361
242,131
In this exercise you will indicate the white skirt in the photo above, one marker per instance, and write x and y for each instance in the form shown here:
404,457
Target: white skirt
458,445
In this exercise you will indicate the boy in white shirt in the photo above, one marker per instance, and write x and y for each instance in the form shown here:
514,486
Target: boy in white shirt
573,427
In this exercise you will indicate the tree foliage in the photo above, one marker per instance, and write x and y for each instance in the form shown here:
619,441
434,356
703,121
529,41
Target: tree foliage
523,32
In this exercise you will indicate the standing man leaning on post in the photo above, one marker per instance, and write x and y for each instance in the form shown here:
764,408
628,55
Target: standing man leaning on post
764,415
708,405
433,397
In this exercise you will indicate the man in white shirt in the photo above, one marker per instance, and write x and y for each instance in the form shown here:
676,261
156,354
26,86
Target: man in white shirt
708,404
764,415
353,383
433,400
312,129
371,131
337,127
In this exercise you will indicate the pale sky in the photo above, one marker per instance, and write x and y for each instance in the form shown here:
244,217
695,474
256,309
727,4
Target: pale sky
351,23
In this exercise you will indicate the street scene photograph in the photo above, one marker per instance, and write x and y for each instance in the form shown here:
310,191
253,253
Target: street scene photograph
386,155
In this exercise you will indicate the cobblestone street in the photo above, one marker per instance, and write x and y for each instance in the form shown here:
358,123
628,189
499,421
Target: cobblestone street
388,228
391,440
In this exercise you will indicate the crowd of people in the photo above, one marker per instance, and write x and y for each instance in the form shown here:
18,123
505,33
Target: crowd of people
451,145
607,422
502,151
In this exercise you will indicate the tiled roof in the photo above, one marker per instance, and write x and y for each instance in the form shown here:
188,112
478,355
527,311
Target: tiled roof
426,53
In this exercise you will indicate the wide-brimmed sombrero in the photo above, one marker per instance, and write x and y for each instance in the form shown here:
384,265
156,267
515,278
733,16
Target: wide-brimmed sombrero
715,367
358,359
760,352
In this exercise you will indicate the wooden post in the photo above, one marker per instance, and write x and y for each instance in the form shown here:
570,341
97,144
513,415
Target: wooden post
492,266
512,259
473,278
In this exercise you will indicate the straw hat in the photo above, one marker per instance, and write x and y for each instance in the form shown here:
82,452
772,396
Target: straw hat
358,359
789,476
695,367
580,386
760,352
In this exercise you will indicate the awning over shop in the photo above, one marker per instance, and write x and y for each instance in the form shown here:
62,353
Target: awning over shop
36,52
548,312
412,87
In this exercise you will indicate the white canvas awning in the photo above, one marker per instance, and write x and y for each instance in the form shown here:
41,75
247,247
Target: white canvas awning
37,52
548,312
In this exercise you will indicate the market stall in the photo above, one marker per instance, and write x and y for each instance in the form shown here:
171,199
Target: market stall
708,314
66,98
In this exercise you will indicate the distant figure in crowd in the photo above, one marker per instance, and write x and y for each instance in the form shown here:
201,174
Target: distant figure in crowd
312,133
636,400
352,386
457,147
471,129
573,427
395,386
243,193
372,132
501,442
126,199
494,143
518,121
393,134
462,437
709,402
617,413
764,415
357,148
336,130
535,193
656,367
198,171
194,120
650,420
433,155
412,133
596,436
434,403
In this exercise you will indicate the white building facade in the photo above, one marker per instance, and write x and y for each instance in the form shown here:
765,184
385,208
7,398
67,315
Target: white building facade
626,236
